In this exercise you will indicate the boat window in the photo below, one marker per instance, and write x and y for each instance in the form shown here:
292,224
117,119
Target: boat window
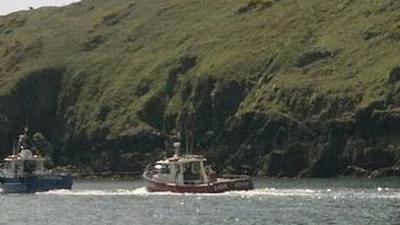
195,168
163,168
29,166
191,173
8,166
17,167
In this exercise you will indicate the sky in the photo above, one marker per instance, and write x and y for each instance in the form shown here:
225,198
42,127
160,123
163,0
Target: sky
8,6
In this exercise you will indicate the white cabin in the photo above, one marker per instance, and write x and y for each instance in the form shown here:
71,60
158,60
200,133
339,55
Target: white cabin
22,164
188,169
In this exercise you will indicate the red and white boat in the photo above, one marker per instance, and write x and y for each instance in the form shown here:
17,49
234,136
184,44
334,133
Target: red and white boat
188,174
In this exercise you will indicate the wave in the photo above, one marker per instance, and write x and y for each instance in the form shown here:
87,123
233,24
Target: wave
262,192
83,192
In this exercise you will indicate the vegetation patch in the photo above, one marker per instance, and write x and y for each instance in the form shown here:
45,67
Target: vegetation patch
312,57
18,52
370,33
116,17
93,43
254,5
10,24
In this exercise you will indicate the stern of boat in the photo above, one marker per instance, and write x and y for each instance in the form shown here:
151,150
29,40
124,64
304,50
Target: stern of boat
238,182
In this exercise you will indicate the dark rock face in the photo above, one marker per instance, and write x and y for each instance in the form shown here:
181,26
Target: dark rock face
394,75
33,104
184,64
277,146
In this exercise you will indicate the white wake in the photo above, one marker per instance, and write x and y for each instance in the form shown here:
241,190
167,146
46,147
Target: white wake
261,192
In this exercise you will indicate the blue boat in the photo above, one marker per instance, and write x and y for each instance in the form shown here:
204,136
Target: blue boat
24,172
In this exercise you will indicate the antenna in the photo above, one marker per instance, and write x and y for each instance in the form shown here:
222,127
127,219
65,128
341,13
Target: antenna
13,147
26,121
186,142
192,142
166,146
164,132
164,128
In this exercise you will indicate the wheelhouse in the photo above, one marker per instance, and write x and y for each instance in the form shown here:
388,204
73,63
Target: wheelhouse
188,169
22,164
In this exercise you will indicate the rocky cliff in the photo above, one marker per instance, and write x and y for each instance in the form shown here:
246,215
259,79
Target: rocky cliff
275,87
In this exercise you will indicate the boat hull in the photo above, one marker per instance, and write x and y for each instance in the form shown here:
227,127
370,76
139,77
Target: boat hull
232,183
32,184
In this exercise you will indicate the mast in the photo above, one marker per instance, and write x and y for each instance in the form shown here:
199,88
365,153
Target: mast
186,143
164,129
164,132
192,142
177,146
13,147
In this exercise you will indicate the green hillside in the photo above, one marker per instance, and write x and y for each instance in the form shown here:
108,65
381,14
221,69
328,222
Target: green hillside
280,87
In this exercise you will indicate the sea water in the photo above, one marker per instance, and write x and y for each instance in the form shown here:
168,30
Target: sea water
273,201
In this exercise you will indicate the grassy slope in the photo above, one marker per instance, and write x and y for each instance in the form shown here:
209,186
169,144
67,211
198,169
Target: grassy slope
114,48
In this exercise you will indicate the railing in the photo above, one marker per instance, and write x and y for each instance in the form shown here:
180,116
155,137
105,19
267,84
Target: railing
235,176
107,174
